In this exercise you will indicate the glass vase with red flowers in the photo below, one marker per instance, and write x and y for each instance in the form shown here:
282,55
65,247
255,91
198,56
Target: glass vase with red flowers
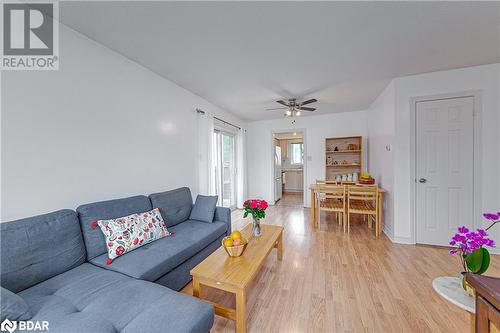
256,208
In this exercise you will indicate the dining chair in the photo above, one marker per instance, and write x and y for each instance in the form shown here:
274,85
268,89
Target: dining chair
363,200
332,198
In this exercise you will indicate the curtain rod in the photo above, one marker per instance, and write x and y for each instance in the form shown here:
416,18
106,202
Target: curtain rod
225,122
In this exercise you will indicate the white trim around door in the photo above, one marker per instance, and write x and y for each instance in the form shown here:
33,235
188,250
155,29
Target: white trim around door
477,153
304,133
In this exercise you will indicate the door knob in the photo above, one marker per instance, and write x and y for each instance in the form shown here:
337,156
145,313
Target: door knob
422,180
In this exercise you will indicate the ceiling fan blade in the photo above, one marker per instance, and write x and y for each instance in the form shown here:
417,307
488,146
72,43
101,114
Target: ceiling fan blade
306,109
309,101
282,102
276,109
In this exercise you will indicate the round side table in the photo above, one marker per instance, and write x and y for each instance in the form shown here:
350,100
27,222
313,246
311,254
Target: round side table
450,288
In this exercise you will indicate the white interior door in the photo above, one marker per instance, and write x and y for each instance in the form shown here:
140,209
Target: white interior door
444,168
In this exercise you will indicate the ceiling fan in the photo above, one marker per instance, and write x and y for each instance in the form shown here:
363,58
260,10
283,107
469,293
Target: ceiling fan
293,107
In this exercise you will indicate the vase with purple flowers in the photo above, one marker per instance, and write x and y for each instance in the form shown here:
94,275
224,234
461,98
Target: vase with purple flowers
470,246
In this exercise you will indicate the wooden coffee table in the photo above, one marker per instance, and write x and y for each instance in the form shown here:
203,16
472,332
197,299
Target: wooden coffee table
236,274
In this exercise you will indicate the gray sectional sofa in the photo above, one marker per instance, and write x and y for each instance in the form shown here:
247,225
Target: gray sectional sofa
56,263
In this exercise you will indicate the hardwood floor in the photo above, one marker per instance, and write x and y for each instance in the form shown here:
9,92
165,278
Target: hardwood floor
292,199
332,282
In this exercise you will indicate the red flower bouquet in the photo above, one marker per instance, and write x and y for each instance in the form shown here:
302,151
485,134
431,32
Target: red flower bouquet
256,208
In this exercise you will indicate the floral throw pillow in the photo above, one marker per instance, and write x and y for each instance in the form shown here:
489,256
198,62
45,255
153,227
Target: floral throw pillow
126,233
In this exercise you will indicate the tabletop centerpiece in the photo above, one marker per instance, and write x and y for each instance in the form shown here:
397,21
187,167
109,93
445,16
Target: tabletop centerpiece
468,245
256,208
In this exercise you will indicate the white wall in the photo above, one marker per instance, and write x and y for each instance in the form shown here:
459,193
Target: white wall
317,128
101,127
381,133
486,80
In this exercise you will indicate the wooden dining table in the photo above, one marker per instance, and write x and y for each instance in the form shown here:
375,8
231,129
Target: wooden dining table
314,188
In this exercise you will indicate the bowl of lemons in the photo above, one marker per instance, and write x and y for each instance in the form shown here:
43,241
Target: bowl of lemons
234,244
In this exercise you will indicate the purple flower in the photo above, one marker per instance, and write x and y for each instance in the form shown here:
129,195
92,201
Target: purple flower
490,242
491,216
466,241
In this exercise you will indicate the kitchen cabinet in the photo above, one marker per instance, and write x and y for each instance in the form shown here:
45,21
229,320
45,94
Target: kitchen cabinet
294,180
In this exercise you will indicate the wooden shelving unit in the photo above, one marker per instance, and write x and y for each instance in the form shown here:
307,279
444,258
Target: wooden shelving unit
343,155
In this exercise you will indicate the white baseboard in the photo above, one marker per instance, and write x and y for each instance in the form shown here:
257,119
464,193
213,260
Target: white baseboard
404,240
396,239
388,232
495,251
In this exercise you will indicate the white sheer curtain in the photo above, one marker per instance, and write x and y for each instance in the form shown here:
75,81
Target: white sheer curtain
206,166
241,170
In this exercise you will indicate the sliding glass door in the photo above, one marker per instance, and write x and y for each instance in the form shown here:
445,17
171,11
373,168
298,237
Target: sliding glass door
224,160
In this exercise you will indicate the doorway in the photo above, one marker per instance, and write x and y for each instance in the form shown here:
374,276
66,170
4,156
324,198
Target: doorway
288,176
225,166
444,168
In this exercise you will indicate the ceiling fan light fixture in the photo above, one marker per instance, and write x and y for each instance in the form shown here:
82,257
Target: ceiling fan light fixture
295,108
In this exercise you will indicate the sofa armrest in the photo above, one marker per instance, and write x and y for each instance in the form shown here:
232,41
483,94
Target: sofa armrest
223,214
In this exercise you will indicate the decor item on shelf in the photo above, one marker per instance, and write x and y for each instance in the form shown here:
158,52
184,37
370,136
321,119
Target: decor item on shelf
366,179
352,146
468,245
344,162
344,178
338,178
257,208
349,177
234,244
329,160
336,148
354,176
335,162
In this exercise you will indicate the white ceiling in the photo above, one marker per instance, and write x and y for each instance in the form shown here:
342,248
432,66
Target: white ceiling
242,56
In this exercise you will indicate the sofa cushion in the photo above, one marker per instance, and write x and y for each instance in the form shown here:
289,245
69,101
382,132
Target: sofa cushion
127,233
153,260
90,299
175,206
13,306
35,249
104,210
204,208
